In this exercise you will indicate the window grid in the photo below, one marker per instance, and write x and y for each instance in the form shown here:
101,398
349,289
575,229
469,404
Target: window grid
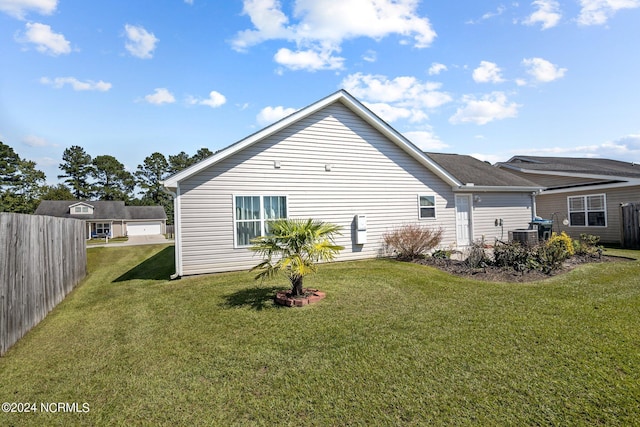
587,211
253,215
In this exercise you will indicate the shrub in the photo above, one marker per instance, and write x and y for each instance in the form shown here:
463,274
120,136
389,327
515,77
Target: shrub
562,243
442,254
412,241
476,256
587,245
516,255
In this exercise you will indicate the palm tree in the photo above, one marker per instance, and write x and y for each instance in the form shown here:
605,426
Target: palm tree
297,245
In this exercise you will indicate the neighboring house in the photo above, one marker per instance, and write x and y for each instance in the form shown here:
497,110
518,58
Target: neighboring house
336,161
109,218
581,195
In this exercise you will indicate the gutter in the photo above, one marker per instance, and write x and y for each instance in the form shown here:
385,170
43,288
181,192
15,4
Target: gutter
177,242
496,189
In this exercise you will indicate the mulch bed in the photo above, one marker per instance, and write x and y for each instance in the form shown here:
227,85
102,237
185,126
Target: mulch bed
498,274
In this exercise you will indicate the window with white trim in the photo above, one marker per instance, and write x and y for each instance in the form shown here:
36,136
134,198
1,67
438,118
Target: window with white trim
427,206
103,229
587,211
81,210
253,215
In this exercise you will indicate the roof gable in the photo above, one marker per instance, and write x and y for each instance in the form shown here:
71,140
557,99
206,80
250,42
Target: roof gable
347,100
81,204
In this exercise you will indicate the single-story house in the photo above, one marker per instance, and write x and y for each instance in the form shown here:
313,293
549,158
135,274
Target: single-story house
336,161
109,218
581,195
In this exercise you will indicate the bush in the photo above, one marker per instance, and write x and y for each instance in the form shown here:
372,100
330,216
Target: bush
587,245
516,255
412,241
476,256
562,244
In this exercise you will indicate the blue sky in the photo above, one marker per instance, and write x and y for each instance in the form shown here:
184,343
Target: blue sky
492,79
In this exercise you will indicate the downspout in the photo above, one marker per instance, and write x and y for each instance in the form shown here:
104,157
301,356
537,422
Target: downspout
176,231
533,206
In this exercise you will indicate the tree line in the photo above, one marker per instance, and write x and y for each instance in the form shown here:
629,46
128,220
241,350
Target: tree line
103,177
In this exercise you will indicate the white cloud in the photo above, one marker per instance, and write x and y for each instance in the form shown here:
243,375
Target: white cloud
425,140
493,106
598,12
45,39
403,97
370,56
626,147
404,91
141,43
390,113
188,1
309,60
20,8
160,96
487,72
436,68
547,13
269,115
499,11
36,141
321,26
215,100
543,70
76,84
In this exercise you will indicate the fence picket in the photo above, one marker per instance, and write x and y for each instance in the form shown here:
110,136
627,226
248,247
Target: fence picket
42,259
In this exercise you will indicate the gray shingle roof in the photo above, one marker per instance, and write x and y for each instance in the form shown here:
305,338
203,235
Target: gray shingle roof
468,169
102,210
587,166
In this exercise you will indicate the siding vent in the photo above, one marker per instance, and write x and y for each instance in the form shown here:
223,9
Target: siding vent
328,167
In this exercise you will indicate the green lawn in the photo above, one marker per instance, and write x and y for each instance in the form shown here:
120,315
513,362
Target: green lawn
391,344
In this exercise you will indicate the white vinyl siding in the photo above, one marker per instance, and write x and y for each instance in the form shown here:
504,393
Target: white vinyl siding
513,209
369,175
587,211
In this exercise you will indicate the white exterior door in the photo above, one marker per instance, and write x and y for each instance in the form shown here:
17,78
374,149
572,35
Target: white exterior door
144,228
463,220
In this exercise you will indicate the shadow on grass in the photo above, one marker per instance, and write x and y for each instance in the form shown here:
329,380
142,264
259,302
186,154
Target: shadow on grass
256,298
158,267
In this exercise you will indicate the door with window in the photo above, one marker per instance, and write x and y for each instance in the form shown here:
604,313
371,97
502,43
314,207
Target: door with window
463,220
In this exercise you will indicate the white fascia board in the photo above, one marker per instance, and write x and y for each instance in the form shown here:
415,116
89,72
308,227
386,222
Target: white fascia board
346,99
495,189
588,188
81,204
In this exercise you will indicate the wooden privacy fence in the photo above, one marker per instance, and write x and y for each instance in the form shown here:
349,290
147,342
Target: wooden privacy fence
630,225
42,258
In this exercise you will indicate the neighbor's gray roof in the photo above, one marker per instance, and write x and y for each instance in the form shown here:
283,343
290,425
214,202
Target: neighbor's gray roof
576,165
101,210
468,169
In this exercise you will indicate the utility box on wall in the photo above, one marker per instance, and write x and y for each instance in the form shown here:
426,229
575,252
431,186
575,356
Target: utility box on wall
361,229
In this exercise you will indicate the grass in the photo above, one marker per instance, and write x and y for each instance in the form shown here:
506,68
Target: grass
391,344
